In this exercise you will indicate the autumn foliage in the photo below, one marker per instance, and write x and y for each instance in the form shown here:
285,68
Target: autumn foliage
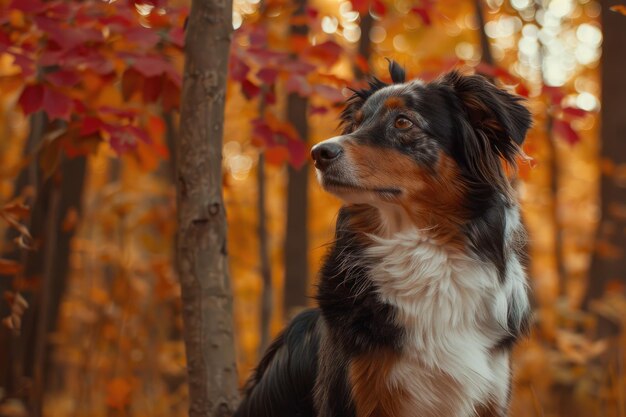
101,81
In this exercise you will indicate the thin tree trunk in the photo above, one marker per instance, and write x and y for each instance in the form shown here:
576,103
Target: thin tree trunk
608,263
296,247
559,252
44,301
202,260
170,140
11,365
266,272
57,197
365,45
486,56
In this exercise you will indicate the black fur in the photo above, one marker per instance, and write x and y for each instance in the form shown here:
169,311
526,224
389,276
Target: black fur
358,322
282,384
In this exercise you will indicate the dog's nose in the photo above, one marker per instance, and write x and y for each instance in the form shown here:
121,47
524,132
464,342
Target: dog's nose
324,153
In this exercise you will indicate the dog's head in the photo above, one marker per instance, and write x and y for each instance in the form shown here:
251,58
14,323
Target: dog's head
428,148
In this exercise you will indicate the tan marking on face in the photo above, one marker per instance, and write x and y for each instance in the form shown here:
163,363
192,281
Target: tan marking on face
358,116
433,199
394,102
372,393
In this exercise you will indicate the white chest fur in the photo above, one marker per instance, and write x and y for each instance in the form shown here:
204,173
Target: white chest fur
453,310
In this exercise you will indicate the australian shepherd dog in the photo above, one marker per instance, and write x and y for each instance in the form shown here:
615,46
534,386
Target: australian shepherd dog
423,293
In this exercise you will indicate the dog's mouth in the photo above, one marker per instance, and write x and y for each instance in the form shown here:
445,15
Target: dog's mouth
334,185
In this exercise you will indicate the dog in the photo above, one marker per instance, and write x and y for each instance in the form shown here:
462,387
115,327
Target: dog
423,292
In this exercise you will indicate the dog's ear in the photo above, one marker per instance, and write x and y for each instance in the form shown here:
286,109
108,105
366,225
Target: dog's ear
491,110
397,73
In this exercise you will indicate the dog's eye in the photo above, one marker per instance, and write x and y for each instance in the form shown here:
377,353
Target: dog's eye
403,123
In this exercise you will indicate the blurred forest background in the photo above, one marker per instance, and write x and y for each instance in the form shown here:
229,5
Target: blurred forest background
89,99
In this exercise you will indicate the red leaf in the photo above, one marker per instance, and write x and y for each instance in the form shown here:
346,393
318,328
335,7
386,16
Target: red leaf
566,132
144,37
25,63
5,41
170,95
298,153
90,125
267,75
298,68
422,12
129,114
79,106
362,64
27,6
270,97
361,6
132,81
327,53
238,69
63,78
298,84
522,90
57,104
67,37
140,134
31,98
116,22
555,94
177,36
262,135
120,138
574,112
379,8
313,110
249,89
312,13
150,66
329,93
152,87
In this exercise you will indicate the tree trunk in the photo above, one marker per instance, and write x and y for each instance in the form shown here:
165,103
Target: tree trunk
365,45
202,260
10,346
608,263
264,257
296,239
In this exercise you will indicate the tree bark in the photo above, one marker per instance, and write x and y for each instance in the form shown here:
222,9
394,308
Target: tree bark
608,263
485,47
264,257
296,247
202,260
365,45
11,363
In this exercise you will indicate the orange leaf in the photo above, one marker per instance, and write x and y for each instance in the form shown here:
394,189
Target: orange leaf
620,8
71,219
9,267
17,209
146,156
277,155
118,393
